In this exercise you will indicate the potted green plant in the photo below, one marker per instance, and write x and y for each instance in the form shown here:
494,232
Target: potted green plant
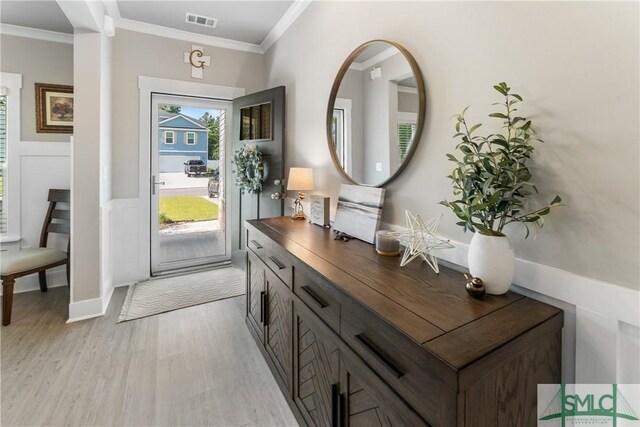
491,181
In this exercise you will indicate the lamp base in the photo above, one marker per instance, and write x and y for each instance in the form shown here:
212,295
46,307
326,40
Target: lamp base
298,215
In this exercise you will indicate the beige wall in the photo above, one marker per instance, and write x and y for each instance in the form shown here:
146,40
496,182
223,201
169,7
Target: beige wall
576,65
136,54
39,62
90,51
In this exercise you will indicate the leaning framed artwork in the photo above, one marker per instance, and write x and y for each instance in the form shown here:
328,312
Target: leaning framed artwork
54,108
359,211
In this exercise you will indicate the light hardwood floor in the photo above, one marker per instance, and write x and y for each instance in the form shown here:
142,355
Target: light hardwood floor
196,366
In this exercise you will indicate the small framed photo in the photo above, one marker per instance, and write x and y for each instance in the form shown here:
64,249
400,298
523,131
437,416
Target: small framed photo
319,210
54,108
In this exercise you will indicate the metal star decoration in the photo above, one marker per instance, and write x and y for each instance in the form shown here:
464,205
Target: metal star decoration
420,240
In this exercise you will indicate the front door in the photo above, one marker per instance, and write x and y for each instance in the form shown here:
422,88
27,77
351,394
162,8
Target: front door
188,209
258,119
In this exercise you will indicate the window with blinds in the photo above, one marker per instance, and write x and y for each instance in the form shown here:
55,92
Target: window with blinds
3,163
405,136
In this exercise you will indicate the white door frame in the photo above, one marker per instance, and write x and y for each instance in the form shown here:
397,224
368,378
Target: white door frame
147,86
214,104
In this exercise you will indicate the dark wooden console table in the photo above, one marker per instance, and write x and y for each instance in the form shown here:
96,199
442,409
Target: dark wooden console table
353,339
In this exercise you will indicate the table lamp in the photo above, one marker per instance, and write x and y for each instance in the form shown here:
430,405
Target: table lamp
300,179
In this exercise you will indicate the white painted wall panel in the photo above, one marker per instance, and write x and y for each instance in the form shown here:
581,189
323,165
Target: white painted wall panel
42,165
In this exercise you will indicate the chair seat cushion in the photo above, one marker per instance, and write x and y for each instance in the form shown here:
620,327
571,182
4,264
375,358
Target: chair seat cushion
13,262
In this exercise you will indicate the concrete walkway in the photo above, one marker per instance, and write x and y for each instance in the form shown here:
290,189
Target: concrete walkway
190,227
181,180
189,240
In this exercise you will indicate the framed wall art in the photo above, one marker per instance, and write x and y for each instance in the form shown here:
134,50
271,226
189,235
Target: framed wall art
54,108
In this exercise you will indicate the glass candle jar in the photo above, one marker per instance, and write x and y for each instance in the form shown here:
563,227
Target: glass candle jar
386,244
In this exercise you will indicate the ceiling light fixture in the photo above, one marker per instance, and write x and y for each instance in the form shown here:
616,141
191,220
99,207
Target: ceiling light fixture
204,21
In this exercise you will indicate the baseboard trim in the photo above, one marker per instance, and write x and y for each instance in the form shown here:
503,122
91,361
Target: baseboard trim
106,300
86,309
122,285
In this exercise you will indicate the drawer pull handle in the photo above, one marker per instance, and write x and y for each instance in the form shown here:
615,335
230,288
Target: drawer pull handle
256,244
263,307
278,264
378,355
314,296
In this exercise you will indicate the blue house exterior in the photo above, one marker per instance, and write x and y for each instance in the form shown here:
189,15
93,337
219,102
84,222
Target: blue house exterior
181,138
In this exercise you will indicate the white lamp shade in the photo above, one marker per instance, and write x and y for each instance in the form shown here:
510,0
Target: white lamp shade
300,179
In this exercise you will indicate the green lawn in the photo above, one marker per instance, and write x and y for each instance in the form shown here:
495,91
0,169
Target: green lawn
186,208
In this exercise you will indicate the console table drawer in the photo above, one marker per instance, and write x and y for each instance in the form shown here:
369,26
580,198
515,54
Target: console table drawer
257,242
279,261
276,258
401,362
319,296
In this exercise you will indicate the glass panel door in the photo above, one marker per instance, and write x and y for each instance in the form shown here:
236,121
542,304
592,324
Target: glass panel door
188,177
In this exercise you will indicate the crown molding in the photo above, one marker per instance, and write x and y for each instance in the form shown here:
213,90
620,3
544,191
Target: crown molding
406,89
171,33
289,17
111,8
385,54
34,33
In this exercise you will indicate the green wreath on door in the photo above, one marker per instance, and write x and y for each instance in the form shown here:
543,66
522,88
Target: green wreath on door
249,167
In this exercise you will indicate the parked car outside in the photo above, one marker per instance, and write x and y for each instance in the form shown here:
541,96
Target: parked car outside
195,167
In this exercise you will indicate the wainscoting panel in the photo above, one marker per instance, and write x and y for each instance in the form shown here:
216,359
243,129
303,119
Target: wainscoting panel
129,262
601,335
106,254
40,166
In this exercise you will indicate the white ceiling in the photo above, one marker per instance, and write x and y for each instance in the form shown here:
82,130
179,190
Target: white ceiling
238,20
43,15
244,21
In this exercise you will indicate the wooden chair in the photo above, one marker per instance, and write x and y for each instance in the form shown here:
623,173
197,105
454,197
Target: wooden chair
27,261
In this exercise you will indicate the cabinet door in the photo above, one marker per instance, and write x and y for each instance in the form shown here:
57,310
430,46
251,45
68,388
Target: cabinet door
278,321
367,401
316,374
256,293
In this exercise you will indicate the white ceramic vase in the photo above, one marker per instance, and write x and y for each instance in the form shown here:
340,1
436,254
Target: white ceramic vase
491,258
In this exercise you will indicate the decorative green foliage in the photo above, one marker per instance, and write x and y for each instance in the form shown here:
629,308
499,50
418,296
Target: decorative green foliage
491,177
249,166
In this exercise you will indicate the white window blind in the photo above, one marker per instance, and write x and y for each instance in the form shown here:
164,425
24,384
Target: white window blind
405,136
3,162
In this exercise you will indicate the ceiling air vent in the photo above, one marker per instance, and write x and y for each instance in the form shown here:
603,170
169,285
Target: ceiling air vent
205,21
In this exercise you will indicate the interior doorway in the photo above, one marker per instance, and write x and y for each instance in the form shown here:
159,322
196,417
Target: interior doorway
188,185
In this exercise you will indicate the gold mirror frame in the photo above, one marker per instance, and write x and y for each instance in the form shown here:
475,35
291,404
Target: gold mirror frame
421,109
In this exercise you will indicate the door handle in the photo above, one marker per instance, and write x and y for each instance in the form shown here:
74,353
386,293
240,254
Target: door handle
256,244
335,406
263,307
341,399
154,183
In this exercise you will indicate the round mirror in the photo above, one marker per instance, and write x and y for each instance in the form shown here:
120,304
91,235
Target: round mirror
376,113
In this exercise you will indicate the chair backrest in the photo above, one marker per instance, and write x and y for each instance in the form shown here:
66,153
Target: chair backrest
57,220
